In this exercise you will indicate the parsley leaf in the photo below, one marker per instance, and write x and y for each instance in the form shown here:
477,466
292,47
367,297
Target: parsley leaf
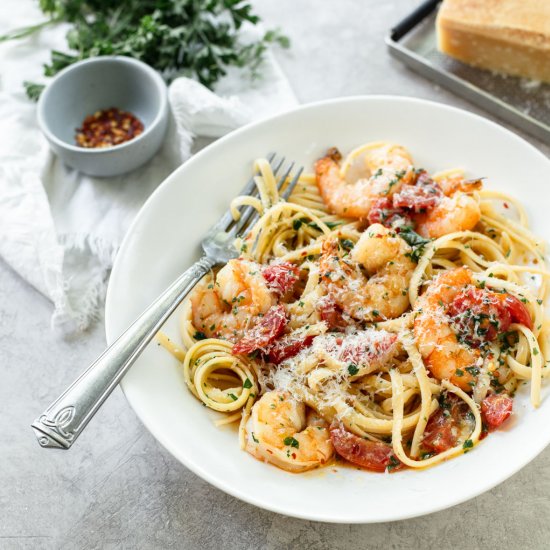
392,463
346,244
353,369
330,225
415,241
292,442
192,37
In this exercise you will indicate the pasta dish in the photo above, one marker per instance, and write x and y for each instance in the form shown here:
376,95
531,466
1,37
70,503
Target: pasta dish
382,316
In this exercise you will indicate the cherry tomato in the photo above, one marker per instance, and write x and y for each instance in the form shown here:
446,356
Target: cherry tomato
443,426
281,277
383,212
285,348
438,435
331,314
481,314
268,329
420,197
372,455
518,311
363,353
495,409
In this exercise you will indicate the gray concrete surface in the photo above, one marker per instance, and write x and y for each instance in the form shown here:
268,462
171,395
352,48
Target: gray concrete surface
118,488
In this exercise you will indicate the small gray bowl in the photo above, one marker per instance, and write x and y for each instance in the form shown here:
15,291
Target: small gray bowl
100,83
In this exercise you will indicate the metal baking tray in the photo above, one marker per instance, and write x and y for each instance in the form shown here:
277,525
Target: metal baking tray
524,103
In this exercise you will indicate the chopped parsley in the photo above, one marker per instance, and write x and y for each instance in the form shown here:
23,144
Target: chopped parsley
292,442
398,176
468,444
443,403
247,384
296,224
330,225
353,369
392,463
346,244
199,335
233,396
415,241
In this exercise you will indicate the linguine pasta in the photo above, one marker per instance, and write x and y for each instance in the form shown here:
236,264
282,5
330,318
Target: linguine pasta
365,384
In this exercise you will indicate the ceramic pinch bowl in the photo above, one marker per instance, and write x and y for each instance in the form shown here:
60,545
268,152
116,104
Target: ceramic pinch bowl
96,84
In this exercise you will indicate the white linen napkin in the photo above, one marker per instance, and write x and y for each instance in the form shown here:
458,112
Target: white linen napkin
59,229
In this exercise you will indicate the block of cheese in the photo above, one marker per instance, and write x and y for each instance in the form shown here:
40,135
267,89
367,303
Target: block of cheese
505,36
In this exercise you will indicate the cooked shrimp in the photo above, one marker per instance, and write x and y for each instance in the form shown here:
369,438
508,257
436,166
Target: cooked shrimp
450,185
437,342
383,255
435,208
459,212
388,166
227,307
280,432
454,319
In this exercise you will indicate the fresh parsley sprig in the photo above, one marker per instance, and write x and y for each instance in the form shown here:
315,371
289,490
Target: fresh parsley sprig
415,241
196,38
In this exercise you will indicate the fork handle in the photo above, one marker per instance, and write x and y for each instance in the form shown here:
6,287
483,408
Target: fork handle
65,419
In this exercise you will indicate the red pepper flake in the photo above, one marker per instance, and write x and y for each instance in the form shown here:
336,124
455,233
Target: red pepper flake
506,205
107,128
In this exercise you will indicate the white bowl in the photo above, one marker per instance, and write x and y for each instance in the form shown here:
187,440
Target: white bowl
164,240
100,83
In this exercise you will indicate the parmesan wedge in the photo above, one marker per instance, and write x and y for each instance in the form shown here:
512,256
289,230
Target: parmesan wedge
505,36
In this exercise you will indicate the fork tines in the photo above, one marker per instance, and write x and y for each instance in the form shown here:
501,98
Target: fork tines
249,215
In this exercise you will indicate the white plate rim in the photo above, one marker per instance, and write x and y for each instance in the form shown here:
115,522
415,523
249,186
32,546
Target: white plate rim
196,467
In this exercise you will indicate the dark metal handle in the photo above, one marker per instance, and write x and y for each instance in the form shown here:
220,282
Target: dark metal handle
404,26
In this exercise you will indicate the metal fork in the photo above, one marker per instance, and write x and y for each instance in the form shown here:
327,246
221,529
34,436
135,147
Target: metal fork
65,419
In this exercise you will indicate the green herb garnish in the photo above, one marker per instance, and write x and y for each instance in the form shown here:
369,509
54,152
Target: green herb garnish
415,241
291,441
346,244
195,38
353,369
393,463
